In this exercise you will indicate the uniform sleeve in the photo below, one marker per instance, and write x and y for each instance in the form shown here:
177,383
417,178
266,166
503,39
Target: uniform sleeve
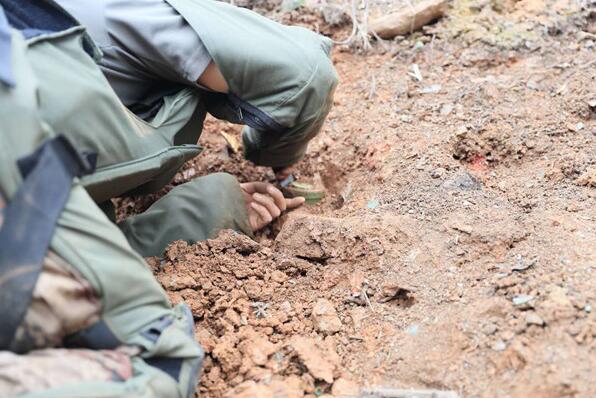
159,37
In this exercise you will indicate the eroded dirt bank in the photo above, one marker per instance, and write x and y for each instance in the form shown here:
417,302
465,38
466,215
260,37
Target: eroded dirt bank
456,248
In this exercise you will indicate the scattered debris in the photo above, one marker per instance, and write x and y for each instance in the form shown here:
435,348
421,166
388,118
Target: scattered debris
260,309
409,19
232,141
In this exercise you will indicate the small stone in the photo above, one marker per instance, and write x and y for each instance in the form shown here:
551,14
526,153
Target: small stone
344,388
325,317
278,276
533,318
490,329
412,330
446,109
373,204
393,291
575,127
463,181
438,172
461,130
522,299
499,345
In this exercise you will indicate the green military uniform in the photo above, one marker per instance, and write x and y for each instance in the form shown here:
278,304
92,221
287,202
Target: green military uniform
281,83
59,89
53,78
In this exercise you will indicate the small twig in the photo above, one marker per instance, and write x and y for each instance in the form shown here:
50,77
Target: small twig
366,299
416,72
373,87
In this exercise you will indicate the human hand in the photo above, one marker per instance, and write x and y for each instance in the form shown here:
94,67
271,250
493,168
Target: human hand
264,203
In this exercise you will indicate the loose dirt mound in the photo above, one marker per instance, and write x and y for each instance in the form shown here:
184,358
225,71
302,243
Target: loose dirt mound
456,248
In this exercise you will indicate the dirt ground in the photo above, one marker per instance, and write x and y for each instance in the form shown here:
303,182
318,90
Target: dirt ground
456,247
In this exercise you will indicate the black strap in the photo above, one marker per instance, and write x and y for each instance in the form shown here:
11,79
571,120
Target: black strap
29,222
98,336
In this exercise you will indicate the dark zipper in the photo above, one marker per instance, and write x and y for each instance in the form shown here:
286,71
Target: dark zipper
253,116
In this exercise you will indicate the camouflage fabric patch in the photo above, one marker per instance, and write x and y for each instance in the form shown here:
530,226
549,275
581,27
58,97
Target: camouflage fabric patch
46,369
63,303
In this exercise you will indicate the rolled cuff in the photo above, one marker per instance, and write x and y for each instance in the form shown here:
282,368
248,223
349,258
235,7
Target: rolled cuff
197,210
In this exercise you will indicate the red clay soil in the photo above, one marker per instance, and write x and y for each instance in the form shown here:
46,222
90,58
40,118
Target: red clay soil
456,247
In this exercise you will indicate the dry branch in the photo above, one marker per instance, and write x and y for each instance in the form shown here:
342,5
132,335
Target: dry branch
409,19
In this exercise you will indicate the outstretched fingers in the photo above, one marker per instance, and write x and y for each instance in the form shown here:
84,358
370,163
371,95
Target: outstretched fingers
292,203
268,203
277,196
262,212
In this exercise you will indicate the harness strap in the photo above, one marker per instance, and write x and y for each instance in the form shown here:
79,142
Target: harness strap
29,222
